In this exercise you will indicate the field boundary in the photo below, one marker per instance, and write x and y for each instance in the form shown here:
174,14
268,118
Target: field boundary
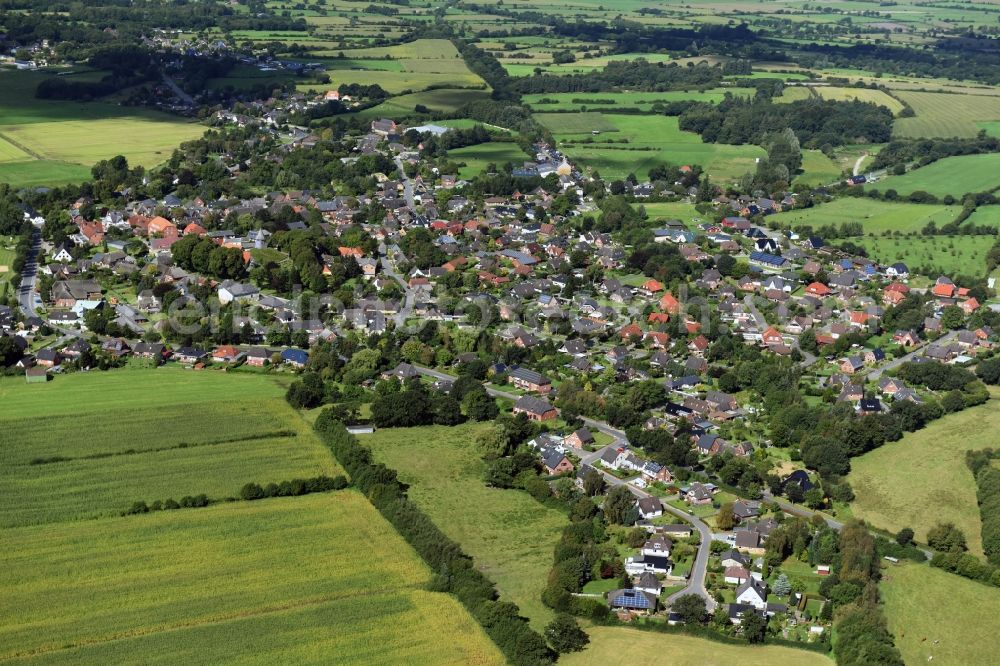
17,144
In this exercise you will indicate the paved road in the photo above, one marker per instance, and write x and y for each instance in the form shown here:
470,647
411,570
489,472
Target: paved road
877,372
26,296
407,184
696,579
409,298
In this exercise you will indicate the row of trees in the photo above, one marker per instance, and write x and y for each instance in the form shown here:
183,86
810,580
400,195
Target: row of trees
455,572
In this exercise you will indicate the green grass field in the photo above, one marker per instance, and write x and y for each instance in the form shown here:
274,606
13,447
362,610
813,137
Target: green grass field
477,157
952,175
875,216
922,479
151,450
315,579
861,94
43,141
674,210
951,255
937,615
636,100
509,534
818,169
621,646
945,115
651,140
443,99
121,390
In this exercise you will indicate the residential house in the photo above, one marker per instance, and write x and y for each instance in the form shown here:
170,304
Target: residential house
650,507
536,409
529,380
579,439
632,601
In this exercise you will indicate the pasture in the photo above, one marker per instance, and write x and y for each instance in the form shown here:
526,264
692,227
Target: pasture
440,99
476,158
50,141
248,582
950,255
922,479
938,617
817,169
510,535
622,646
875,216
642,142
952,175
674,210
944,114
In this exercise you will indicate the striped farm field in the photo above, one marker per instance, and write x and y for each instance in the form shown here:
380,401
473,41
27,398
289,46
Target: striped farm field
944,114
318,579
860,94
90,444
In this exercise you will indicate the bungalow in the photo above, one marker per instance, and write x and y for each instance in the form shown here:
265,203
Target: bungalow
189,355
529,380
736,575
698,494
648,582
818,289
680,530
295,357
733,558
226,354
231,291
402,372
632,600
257,357
536,409
767,260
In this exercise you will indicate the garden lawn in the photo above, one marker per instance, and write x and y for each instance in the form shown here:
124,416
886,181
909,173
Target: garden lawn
621,646
922,479
509,534
315,579
875,217
937,615
672,210
477,157
648,141
952,175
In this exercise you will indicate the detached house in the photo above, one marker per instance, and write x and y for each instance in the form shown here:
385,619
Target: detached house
536,409
529,380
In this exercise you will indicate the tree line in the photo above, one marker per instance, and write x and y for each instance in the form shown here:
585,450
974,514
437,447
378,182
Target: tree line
455,571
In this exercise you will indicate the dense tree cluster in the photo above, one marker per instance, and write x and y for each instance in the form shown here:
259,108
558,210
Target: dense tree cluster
816,122
203,255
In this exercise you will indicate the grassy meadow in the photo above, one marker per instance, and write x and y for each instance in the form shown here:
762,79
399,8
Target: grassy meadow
951,255
51,141
938,617
621,646
642,142
510,535
306,579
875,216
922,479
860,94
951,175
613,101
477,157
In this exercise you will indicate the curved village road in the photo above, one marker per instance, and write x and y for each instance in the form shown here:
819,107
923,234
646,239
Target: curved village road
696,578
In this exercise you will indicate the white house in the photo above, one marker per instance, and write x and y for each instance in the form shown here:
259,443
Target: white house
231,291
752,593
658,546
650,507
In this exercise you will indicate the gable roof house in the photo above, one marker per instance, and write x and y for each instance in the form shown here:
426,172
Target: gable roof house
536,409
